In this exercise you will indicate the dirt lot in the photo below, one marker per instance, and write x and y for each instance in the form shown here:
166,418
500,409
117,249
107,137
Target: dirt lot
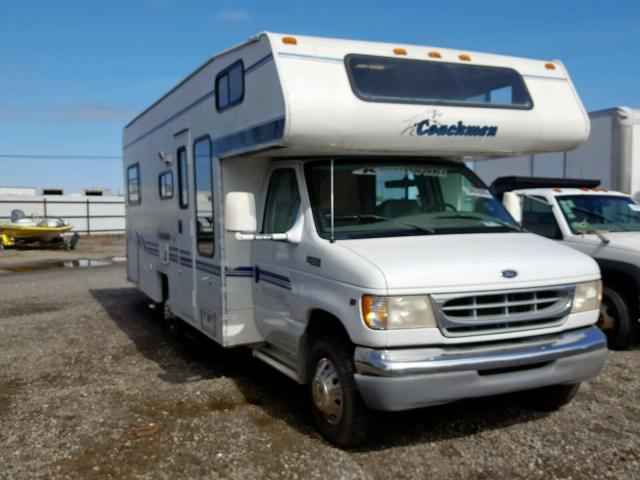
34,257
91,386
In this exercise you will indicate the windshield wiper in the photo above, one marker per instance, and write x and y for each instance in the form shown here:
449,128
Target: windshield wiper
469,216
599,215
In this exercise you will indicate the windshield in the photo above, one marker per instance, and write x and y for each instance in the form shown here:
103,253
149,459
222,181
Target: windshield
377,198
613,213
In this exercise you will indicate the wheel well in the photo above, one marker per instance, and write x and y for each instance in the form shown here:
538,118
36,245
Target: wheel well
164,283
624,284
321,323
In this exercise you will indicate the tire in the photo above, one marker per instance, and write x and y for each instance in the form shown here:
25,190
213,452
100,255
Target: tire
615,319
338,410
550,399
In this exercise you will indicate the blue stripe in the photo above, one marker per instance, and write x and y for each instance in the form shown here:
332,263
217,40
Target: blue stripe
261,133
197,102
310,57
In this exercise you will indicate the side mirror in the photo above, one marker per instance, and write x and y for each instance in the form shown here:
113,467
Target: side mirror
511,202
240,212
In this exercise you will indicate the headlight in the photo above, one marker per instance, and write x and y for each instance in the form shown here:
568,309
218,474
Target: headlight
587,297
387,313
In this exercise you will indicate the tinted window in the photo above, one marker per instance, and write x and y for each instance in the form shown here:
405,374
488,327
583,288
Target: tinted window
133,185
585,213
400,80
183,178
204,197
283,202
537,217
230,86
165,185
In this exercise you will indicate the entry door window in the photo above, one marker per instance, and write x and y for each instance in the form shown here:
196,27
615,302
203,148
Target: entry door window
283,202
204,197
537,217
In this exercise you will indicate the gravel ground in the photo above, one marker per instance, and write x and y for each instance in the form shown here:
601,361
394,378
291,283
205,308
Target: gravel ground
91,386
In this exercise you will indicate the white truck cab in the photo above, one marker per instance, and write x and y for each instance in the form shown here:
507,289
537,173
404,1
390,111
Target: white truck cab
601,223
307,198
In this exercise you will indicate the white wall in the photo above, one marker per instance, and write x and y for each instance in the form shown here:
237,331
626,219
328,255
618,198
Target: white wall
94,215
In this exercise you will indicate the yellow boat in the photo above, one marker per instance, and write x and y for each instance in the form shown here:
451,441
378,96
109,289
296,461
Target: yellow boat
23,229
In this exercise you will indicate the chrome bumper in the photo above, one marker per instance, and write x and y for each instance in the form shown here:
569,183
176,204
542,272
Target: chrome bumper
399,379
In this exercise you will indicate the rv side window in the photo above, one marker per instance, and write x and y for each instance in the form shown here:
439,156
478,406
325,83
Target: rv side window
165,185
230,86
538,217
133,184
402,80
203,173
183,178
283,202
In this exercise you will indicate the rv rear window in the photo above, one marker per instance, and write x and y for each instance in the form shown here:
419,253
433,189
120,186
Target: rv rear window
401,80
133,184
165,185
230,86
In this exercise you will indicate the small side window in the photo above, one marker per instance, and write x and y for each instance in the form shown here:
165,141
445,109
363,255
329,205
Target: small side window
538,217
230,86
283,202
183,178
133,184
165,185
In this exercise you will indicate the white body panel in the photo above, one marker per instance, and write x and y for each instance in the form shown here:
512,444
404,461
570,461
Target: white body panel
611,154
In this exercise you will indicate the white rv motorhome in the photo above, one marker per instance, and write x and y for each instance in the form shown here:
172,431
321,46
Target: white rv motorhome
306,197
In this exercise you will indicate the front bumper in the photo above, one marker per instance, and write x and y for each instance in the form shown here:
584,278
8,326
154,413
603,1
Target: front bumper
402,379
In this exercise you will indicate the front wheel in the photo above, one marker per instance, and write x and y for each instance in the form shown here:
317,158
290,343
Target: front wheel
550,399
338,410
615,319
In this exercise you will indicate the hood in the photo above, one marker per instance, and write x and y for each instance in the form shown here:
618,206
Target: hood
624,241
448,263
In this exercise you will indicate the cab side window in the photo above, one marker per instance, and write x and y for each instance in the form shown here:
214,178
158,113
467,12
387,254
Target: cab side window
537,217
283,202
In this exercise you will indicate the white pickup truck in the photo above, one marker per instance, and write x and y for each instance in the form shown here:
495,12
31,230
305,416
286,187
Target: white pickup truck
601,223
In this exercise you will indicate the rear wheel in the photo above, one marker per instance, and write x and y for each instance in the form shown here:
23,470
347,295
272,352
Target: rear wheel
338,410
615,319
549,399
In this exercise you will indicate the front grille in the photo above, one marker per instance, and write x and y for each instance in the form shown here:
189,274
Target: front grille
493,312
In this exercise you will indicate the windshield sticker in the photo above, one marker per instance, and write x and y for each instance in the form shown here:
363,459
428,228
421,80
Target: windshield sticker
415,171
634,207
477,192
490,223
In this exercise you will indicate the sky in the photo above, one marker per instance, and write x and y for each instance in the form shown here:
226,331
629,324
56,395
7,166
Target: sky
72,74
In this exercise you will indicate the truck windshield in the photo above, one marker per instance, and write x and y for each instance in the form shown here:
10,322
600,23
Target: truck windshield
378,198
613,213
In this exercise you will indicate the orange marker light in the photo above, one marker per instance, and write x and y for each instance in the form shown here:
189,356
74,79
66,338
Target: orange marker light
399,51
290,40
549,66
557,190
464,57
435,54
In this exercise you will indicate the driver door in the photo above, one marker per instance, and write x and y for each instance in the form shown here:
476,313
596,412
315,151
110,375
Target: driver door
273,289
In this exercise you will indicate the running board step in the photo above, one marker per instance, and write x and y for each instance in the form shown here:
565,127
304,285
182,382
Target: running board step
277,364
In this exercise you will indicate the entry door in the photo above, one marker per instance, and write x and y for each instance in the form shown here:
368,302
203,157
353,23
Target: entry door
182,253
274,263
206,233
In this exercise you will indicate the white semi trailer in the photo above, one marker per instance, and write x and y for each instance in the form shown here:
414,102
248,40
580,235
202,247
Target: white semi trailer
611,154
306,198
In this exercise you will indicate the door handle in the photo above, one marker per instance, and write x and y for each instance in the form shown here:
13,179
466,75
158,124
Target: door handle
206,278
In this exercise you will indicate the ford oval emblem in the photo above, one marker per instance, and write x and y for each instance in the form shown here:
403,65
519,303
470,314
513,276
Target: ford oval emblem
509,273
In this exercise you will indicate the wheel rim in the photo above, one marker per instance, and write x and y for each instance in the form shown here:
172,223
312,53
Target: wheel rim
327,391
607,318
